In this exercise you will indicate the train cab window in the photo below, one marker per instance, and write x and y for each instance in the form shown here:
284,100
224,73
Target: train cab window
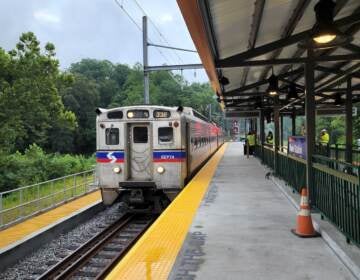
112,136
140,134
166,134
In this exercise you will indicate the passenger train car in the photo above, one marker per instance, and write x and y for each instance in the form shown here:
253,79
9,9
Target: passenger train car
146,154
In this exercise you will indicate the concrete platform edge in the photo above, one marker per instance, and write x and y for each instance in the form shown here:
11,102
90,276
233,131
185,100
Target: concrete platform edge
9,255
339,252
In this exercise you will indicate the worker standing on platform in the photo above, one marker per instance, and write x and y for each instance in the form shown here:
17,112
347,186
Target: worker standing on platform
324,137
251,142
324,142
270,138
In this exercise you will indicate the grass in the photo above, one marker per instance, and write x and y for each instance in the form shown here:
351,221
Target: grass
49,194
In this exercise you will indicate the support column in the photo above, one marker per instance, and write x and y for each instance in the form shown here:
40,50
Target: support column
145,60
281,132
262,133
349,129
310,122
276,136
293,123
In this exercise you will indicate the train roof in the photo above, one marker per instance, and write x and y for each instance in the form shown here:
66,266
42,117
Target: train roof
187,110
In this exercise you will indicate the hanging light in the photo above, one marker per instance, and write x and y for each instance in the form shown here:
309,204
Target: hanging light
273,81
324,33
224,81
292,93
338,100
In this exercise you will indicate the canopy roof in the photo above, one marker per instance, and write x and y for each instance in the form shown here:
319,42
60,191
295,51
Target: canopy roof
242,40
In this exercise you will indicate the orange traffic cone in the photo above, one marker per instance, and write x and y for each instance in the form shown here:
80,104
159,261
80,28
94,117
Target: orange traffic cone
304,225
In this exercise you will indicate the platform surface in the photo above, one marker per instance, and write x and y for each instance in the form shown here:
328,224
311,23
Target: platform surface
18,232
242,231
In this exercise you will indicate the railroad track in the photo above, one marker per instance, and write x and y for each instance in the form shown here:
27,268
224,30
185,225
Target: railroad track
95,258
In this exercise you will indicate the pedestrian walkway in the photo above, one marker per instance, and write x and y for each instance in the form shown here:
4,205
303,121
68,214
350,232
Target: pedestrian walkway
242,231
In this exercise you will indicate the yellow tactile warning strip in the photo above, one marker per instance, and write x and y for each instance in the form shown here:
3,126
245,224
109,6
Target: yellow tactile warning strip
153,256
23,229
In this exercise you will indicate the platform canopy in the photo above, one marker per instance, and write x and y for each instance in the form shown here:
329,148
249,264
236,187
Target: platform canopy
242,43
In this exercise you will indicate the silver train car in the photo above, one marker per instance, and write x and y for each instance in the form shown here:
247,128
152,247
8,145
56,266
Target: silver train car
146,154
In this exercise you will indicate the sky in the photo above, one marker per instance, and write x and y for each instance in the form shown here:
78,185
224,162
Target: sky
101,29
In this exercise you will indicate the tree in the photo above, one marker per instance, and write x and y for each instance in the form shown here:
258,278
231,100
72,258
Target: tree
82,98
29,101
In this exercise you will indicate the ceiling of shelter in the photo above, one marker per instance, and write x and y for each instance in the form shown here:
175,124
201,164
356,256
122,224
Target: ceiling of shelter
235,27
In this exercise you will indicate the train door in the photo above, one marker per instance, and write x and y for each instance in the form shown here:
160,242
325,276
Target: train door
139,152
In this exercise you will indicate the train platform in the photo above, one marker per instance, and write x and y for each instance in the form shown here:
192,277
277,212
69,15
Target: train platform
17,234
230,222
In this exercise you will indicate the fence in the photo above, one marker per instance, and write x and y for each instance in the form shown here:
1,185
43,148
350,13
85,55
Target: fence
336,188
337,196
337,152
21,203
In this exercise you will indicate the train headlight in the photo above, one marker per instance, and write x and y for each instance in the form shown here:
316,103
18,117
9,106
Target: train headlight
160,170
117,169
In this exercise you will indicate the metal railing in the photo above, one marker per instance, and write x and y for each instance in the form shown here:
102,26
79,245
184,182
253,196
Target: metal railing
336,187
337,152
292,170
21,203
337,195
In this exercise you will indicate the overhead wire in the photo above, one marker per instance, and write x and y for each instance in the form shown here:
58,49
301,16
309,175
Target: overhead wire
140,29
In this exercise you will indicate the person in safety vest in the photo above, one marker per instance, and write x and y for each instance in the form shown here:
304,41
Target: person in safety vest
270,138
250,138
324,137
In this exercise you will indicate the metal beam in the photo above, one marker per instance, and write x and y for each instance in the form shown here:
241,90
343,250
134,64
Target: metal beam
351,31
238,58
256,21
348,122
310,121
171,48
299,60
352,48
173,67
259,83
288,30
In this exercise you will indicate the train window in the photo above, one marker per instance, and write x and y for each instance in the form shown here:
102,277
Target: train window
166,134
140,134
112,136
115,115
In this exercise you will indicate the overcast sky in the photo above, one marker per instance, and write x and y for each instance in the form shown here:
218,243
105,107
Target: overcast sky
99,29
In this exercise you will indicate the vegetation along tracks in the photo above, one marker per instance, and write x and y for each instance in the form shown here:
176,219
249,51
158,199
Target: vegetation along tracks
95,258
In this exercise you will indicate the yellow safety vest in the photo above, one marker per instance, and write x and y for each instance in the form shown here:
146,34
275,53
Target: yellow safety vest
324,139
251,139
269,140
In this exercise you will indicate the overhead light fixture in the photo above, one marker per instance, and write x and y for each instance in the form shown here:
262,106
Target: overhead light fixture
273,81
224,81
292,92
338,100
324,33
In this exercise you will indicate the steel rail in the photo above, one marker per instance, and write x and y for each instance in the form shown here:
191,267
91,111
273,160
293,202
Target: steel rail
71,266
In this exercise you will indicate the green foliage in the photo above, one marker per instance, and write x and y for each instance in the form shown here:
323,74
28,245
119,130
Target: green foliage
34,165
29,101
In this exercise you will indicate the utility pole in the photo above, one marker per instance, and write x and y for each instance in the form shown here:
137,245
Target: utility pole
145,60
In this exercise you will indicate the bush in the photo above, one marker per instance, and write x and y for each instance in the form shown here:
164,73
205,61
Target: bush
34,166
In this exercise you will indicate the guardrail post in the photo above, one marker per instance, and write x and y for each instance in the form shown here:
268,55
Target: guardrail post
38,197
21,203
64,185
1,209
52,194
85,182
74,189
